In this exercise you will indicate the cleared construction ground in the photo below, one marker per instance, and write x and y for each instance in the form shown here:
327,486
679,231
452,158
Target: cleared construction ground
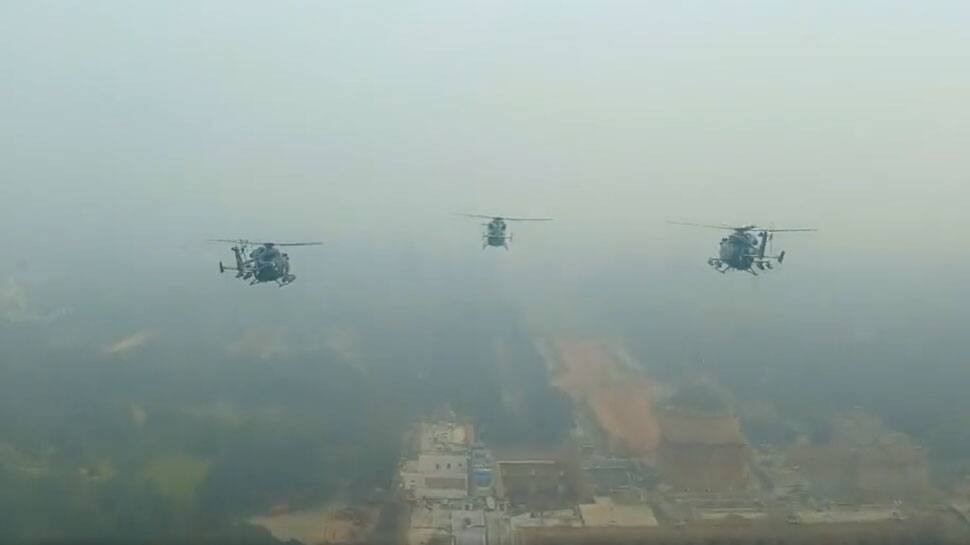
924,531
333,523
618,398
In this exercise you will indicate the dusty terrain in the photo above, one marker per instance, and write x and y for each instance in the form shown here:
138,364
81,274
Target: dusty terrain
328,524
618,397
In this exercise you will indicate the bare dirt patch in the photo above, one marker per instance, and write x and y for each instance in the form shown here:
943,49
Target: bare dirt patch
618,397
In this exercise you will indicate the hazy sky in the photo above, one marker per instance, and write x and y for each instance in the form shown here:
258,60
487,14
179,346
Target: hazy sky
133,131
377,116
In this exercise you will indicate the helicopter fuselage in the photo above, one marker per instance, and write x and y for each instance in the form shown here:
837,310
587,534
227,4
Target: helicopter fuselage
264,264
267,271
738,251
267,263
496,234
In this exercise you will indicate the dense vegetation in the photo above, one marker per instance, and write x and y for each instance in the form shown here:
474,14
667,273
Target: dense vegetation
183,438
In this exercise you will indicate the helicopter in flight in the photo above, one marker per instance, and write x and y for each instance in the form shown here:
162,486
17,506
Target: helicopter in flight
497,233
745,248
266,263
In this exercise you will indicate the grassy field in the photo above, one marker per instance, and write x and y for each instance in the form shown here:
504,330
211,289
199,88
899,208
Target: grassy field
178,476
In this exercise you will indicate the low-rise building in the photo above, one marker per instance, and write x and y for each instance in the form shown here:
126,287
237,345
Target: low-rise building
558,518
430,525
468,527
445,436
534,484
437,476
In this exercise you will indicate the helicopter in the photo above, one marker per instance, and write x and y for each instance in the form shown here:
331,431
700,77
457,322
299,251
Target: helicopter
744,249
496,231
264,264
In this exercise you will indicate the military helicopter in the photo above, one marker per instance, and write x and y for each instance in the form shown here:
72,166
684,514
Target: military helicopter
264,264
744,249
496,231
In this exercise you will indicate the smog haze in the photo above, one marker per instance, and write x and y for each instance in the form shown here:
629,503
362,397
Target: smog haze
145,396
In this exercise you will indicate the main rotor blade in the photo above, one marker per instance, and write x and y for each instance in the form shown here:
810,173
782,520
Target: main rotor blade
742,227
255,243
479,216
725,227
483,216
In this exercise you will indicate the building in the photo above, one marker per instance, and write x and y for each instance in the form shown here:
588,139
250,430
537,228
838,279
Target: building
430,526
557,518
702,451
468,527
437,476
482,477
444,472
534,484
482,474
445,436
609,476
